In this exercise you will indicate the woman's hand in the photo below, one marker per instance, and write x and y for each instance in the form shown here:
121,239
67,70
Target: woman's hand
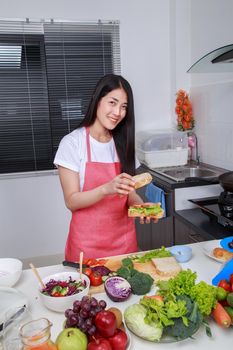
122,184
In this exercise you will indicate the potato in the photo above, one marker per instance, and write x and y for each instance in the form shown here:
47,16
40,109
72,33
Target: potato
118,315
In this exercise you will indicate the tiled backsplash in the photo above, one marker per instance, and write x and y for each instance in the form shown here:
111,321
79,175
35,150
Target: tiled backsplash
213,112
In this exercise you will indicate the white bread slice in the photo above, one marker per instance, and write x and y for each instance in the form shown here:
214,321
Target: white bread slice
142,179
168,267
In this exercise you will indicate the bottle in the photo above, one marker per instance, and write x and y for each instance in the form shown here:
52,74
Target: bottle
35,335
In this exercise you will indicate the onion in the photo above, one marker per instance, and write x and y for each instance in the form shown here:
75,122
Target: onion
101,269
117,288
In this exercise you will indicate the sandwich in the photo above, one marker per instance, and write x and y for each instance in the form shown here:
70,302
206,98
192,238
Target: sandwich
142,179
152,210
222,254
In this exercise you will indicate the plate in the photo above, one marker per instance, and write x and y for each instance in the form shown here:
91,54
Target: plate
167,339
208,249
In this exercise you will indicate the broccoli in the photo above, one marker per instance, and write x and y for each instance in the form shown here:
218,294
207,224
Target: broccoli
181,331
141,283
124,272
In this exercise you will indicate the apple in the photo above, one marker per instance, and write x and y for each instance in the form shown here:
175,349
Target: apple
70,339
99,344
105,322
119,340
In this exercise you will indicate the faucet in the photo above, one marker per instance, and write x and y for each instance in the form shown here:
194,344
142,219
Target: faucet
193,143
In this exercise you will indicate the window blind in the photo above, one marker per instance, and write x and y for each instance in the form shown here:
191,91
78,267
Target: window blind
48,71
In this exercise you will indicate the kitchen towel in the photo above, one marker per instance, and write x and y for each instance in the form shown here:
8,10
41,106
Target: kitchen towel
156,194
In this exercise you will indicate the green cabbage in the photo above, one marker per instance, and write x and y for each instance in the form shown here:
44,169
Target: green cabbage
134,318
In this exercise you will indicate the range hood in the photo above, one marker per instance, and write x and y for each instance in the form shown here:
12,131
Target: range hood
217,61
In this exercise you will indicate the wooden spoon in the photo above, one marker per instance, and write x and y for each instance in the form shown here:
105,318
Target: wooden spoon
37,275
81,265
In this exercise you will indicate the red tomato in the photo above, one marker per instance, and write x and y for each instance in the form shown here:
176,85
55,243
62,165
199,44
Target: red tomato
231,279
95,279
88,271
105,322
99,344
119,340
225,285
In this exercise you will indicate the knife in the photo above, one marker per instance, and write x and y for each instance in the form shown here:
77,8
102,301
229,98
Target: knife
76,265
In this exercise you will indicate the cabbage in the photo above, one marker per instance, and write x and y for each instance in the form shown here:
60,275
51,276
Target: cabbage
134,318
117,288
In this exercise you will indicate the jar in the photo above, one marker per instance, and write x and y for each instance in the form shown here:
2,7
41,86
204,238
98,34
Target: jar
35,335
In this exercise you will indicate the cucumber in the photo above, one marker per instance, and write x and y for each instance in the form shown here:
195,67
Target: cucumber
229,310
230,299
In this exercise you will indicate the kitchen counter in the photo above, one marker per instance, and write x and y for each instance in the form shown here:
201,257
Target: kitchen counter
201,223
206,269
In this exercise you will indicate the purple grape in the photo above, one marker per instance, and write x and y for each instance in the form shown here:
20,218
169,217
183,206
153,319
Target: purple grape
68,313
92,313
83,313
86,307
72,320
88,322
102,304
91,330
94,302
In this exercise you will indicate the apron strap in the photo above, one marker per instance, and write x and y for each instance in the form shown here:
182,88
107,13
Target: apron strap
88,144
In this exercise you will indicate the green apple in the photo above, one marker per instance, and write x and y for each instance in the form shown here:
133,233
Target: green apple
70,339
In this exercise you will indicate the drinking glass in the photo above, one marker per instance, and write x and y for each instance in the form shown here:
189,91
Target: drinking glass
14,319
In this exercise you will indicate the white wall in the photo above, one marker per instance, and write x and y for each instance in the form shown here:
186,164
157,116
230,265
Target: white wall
33,218
212,94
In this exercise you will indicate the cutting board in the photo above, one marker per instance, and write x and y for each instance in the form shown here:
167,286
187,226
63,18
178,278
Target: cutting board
114,263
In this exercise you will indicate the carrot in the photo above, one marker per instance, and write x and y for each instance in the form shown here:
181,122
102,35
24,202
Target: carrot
221,316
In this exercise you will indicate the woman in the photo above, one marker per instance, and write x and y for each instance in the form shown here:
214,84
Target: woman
96,163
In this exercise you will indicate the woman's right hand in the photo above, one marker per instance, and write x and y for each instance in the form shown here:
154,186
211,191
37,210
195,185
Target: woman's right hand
122,184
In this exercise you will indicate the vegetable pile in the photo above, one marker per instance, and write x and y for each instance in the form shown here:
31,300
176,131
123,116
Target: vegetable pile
178,309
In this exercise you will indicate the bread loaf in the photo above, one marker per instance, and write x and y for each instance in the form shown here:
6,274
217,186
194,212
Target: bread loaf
222,254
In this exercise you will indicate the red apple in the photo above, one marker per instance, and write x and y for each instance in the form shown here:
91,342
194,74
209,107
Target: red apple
99,344
105,322
119,340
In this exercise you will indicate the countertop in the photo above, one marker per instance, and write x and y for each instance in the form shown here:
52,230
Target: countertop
206,269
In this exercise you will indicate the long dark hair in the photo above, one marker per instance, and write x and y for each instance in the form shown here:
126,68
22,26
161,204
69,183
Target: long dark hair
124,133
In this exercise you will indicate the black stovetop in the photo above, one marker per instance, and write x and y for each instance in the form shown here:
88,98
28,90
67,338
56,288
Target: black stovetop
211,207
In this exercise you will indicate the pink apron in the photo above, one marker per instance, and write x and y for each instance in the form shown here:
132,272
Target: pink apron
104,228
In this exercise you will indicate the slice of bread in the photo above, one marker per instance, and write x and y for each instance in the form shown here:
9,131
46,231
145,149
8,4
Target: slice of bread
168,267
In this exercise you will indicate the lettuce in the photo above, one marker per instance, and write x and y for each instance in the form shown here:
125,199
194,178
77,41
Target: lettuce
134,317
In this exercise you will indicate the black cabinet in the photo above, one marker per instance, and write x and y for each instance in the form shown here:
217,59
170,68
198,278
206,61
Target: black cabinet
151,236
184,234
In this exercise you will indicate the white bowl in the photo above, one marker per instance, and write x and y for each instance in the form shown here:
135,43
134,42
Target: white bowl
10,271
60,304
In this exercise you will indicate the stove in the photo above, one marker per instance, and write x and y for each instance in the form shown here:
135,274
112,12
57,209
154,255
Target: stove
218,208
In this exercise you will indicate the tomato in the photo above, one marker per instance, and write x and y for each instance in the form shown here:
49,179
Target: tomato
96,279
225,285
105,322
88,271
119,340
231,279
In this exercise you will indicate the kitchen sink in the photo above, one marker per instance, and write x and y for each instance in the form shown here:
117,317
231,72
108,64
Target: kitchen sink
183,173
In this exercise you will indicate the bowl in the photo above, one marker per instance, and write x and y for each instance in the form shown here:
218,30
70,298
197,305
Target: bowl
10,271
181,253
61,303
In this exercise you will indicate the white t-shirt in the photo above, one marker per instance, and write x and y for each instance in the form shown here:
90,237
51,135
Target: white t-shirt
72,152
